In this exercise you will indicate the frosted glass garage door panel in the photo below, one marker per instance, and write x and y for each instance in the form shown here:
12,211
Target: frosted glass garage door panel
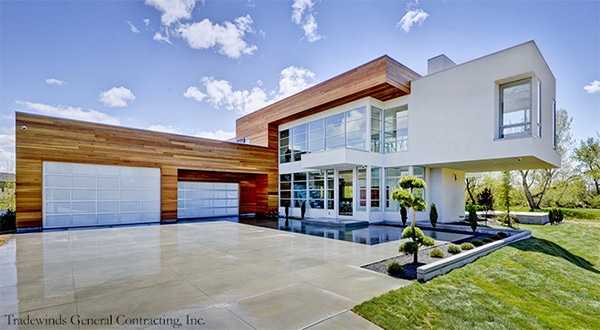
79,195
207,199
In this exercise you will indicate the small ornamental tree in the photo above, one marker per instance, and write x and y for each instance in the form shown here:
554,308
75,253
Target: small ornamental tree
433,215
485,199
409,196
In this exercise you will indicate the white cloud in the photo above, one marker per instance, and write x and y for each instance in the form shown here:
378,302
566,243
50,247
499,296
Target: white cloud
293,80
173,10
220,93
593,87
146,21
194,93
71,113
116,97
160,38
217,135
413,16
164,129
227,38
52,81
132,27
302,14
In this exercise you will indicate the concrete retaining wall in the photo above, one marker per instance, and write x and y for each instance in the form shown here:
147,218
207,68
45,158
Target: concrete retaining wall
429,271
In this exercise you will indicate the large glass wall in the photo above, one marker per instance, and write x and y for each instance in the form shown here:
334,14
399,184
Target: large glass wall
303,187
387,133
362,189
347,129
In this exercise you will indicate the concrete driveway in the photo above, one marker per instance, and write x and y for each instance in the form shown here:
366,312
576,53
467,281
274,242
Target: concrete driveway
209,275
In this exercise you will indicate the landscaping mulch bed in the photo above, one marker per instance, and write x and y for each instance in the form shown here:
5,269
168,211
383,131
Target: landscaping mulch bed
410,268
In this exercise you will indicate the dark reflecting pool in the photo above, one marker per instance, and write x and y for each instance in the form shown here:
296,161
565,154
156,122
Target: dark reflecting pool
365,234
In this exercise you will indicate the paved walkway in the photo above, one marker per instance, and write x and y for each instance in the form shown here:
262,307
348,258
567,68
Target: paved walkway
212,275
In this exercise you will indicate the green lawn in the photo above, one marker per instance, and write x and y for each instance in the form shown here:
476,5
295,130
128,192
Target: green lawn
550,281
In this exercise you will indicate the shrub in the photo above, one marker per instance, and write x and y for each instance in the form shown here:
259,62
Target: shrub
433,215
495,237
436,253
477,242
454,249
8,221
302,210
502,234
473,218
467,246
551,216
487,240
394,268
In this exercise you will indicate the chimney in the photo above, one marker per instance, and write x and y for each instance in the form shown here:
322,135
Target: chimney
439,63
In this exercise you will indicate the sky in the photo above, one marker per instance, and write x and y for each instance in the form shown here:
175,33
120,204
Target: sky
193,67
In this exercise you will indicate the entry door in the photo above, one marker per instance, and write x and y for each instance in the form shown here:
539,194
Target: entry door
345,193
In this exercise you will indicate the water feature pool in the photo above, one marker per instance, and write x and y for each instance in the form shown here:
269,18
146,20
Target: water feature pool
366,234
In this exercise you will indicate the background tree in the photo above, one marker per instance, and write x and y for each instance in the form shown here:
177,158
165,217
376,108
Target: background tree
536,183
505,198
588,155
485,199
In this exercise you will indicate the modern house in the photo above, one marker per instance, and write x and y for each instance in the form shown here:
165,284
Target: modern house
338,147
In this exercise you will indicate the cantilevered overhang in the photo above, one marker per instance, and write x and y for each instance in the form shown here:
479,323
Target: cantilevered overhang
383,79
499,164
341,158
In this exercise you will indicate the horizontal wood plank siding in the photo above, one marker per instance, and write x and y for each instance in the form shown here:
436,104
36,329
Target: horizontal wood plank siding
61,140
383,79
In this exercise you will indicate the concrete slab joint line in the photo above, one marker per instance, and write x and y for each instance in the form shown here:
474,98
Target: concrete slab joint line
228,274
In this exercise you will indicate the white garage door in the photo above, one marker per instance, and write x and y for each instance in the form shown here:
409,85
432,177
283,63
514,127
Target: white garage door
207,199
79,195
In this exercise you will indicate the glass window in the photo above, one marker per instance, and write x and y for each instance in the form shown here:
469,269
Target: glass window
376,129
330,189
356,129
396,129
285,153
375,189
335,132
299,142
419,172
362,189
392,175
285,190
539,109
554,128
515,108
299,189
316,190
316,136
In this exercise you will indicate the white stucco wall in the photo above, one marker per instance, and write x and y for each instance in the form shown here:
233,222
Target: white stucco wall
447,190
454,113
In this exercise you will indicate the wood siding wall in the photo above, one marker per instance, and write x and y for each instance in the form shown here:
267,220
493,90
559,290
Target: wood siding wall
178,157
383,79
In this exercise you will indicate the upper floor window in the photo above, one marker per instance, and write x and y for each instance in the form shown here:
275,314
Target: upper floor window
395,129
515,108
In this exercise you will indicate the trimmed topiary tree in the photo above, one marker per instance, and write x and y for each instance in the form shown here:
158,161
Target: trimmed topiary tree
417,240
433,215
302,210
410,196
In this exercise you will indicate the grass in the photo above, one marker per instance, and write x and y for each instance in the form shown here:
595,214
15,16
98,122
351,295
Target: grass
549,281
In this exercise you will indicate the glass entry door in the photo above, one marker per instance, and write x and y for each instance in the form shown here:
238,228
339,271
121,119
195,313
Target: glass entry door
345,193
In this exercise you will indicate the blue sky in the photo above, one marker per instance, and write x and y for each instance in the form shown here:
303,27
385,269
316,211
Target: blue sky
192,68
